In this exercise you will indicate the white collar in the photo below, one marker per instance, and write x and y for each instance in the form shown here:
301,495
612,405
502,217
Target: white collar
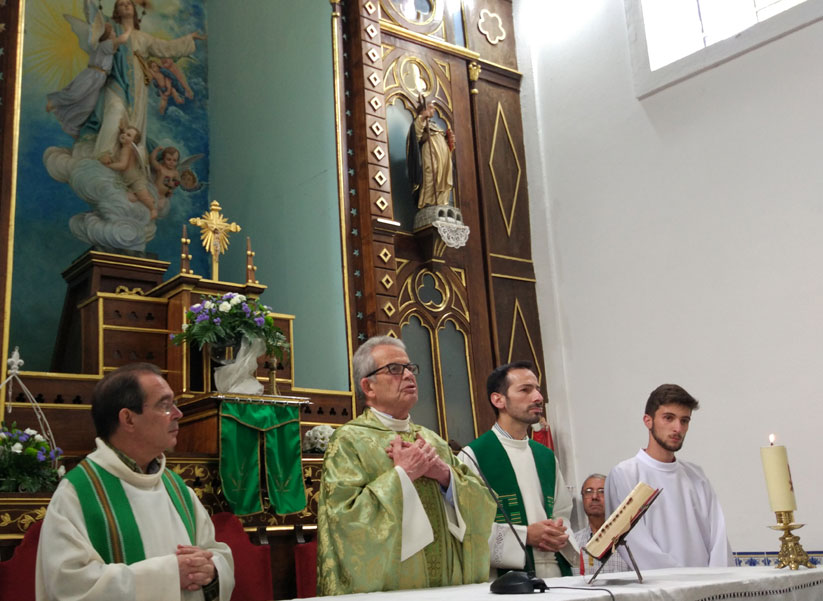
392,423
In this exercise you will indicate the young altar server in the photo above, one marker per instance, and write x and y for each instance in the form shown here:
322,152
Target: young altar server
685,526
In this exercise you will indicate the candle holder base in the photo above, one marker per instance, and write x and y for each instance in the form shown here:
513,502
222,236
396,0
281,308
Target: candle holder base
792,554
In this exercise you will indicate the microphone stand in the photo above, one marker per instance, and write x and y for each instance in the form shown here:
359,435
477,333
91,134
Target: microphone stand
513,582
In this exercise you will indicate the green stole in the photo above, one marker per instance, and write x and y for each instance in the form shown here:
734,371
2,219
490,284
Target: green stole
110,522
499,472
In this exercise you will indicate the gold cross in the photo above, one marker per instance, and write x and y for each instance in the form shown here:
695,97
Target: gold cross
214,230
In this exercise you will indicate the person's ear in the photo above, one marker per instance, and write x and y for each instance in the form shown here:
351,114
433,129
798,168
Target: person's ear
648,420
498,400
367,386
126,419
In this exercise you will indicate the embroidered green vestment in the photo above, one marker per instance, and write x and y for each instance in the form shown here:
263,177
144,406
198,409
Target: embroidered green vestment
360,514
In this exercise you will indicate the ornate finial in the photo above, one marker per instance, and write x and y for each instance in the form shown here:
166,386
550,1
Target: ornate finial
15,362
251,268
185,256
214,229
474,75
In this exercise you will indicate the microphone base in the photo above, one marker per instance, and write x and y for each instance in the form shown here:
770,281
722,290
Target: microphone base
517,582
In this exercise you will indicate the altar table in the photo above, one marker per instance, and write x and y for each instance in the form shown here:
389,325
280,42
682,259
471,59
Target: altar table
677,584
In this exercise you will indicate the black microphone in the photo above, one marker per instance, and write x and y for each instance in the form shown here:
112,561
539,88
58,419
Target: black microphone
513,582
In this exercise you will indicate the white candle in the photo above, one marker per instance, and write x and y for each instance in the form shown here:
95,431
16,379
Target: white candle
778,477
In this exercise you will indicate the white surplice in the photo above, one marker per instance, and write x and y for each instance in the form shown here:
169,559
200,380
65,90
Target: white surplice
684,527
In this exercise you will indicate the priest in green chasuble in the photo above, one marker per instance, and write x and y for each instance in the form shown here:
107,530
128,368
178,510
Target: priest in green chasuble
396,508
526,477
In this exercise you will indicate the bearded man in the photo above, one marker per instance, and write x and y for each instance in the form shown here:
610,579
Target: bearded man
685,527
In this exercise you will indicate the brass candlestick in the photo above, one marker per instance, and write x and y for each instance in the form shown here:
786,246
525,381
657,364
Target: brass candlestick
791,552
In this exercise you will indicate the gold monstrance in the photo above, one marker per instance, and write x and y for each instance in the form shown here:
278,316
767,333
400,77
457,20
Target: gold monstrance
214,234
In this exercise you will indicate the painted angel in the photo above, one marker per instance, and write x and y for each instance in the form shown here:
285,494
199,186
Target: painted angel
73,104
169,170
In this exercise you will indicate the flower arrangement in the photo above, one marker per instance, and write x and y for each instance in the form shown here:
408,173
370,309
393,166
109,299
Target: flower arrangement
27,461
226,319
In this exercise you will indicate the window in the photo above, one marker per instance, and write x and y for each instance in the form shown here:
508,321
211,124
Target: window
672,40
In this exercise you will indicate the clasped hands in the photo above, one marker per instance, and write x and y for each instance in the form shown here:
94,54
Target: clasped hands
418,459
195,566
547,535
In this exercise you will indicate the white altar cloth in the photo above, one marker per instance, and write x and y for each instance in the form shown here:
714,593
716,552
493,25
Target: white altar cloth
676,584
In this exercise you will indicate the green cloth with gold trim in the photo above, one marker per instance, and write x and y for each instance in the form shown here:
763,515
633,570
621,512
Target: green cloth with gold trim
360,517
497,468
243,426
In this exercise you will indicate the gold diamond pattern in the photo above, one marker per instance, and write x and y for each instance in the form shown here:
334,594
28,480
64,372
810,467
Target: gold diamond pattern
370,7
382,203
380,178
508,146
385,255
389,309
378,153
387,281
375,102
373,55
371,30
374,79
376,128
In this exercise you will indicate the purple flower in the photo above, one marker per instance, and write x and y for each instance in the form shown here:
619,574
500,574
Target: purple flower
216,320
201,317
260,321
228,296
22,437
246,309
196,308
41,456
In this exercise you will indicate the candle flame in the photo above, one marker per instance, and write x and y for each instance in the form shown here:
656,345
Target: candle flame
771,439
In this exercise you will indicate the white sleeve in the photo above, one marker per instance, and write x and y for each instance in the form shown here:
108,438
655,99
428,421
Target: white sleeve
563,505
646,551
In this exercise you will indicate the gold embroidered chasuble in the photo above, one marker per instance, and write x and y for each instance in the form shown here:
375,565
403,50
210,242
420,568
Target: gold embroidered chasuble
360,517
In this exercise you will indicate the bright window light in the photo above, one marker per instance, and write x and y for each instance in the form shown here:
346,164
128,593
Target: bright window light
678,28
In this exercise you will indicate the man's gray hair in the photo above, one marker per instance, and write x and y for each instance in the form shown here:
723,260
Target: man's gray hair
589,477
363,363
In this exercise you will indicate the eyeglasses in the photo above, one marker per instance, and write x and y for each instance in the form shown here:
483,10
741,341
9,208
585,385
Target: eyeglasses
396,369
590,492
166,407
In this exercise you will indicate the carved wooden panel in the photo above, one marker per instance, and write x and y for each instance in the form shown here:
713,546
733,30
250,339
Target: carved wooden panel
490,31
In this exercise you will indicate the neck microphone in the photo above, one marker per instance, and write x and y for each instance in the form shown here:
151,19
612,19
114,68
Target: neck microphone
513,582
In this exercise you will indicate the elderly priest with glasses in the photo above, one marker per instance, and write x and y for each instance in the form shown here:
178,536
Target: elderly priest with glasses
396,508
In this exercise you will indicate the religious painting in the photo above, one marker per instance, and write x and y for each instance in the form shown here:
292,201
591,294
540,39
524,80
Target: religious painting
113,148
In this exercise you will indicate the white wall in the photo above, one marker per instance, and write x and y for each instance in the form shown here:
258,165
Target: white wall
679,239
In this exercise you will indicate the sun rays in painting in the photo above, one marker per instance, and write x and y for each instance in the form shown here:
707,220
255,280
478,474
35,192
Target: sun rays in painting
52,52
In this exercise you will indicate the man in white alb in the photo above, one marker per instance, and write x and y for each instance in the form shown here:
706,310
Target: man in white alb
526,477
685,526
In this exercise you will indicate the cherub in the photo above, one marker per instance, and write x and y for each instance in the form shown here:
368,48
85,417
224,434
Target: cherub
129,163
164,85
164,162
175,73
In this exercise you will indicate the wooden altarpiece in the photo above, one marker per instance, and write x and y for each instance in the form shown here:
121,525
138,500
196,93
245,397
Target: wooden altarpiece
487,286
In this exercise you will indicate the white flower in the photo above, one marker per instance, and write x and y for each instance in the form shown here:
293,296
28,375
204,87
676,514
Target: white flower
39,438
235,301
208,305
240,298
30,431
61,471
17,448
224,307
185,327
2,435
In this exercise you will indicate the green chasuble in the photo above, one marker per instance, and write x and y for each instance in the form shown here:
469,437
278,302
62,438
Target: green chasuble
360,514
497,468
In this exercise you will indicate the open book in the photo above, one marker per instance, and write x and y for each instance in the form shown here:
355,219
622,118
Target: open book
621,521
